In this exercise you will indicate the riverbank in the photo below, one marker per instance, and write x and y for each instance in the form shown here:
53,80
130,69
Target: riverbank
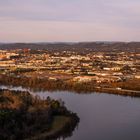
36,84
61,127
23,116
119,91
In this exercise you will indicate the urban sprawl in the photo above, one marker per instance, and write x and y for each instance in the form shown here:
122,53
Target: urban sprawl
104,69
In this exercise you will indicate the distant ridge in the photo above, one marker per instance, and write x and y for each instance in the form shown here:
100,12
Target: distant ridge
77,46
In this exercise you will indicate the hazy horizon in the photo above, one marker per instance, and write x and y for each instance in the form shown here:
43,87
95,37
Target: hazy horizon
69,21
91,41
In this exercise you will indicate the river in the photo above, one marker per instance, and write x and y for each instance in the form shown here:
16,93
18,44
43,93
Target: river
102,116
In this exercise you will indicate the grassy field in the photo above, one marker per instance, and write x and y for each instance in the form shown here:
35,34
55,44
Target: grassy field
59,123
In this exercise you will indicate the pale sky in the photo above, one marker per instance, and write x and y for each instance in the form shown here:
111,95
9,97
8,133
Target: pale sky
69,20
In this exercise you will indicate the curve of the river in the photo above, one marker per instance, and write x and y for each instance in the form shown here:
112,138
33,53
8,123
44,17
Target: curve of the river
102,116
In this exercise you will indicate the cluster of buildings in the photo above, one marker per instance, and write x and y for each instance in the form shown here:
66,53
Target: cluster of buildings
95,66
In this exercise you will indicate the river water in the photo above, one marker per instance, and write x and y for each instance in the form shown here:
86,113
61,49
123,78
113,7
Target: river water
102,116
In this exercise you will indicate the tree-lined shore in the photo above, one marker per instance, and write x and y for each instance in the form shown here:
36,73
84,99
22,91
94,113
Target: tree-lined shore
130,88
23,116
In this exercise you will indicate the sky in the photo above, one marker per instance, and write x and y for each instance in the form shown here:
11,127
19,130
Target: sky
69,20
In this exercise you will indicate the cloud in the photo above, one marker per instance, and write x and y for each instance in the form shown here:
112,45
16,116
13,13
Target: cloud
22,31
68,10
69,19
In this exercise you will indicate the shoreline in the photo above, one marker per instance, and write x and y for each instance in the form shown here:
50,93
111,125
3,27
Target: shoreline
121,92
113,91
64,128
44,84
